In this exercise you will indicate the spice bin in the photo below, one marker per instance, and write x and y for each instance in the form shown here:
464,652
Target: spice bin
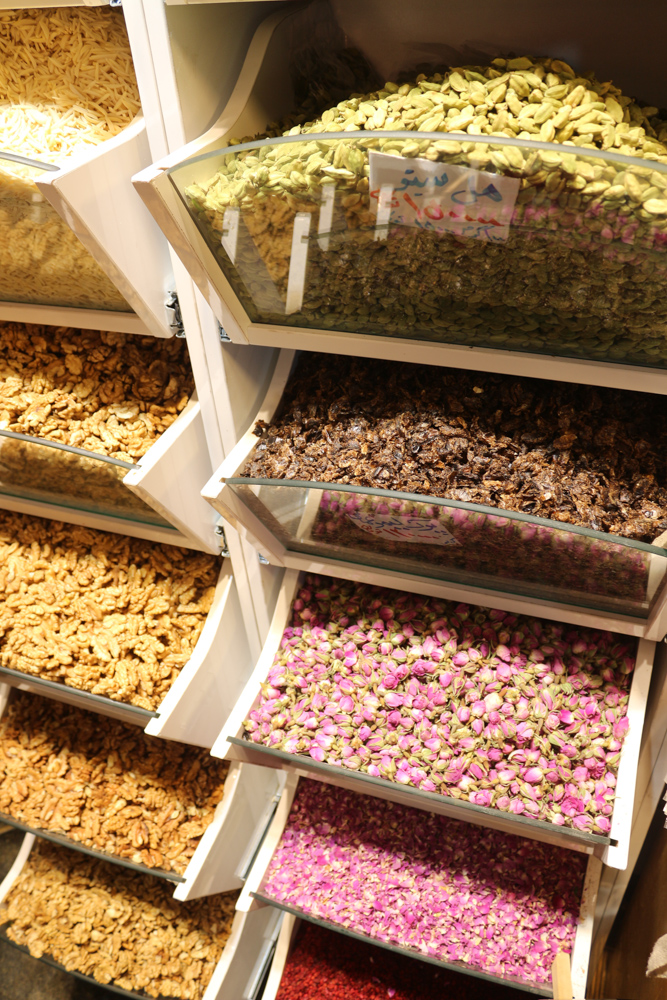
68,202
308,957
130,822
245,945
429,674
304,240
84,415
306,845
158,681
449,547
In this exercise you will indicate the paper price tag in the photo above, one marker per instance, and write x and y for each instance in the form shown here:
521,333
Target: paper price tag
442,197
403,528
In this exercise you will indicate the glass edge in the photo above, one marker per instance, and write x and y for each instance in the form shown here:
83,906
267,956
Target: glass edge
97,699
26,161
47,960
512,515
62,840
500,140
464,970
70,448
469,807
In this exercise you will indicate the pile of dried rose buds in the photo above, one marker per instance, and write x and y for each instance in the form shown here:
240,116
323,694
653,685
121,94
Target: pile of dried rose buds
457,893
496,709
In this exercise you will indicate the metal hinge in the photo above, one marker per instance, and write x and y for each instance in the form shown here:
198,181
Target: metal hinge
224,550
173,308
264,561
115,3
224,336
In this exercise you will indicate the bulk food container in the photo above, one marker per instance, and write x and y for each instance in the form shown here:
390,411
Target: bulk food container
76,245
93,427
221,854
523,251
113,636
307,955
393,750
455,548
333,874
236,975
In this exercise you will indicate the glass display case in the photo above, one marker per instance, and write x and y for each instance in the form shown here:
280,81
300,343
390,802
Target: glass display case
42,261
464,239
469,544
34,468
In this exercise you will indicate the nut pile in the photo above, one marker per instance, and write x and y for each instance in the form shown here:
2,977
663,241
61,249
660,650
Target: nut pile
111,393
455,892
116,926
101,612
582,273
499,710
571,453
108,786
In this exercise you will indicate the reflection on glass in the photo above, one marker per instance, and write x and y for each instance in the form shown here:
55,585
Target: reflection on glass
460,542
36,469
493,243
41,260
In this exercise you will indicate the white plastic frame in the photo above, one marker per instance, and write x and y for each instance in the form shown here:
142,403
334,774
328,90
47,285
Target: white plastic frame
232,508
582,943
202,695
242,949
93,193
263,94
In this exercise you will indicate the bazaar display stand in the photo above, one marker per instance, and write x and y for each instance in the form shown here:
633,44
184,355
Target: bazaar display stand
194,61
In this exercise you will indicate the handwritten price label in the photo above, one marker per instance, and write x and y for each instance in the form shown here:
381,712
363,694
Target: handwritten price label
403,528
442,197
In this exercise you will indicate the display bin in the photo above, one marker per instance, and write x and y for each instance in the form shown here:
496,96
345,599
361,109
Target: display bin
220,858
450,548
155,498
202,695
79,248
253,896
288,930
612,849
321,264
236,975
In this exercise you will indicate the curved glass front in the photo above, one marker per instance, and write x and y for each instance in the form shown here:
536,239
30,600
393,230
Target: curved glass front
42,262
50,472
464,543
464,239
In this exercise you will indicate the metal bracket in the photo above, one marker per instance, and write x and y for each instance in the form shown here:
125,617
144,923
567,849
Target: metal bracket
173,308
115,3
264,561
224,336
224,549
